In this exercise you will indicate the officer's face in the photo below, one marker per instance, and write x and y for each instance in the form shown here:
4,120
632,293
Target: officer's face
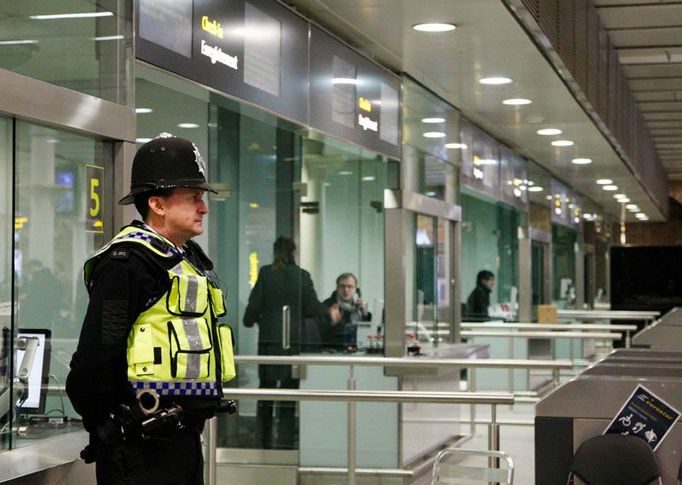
184,214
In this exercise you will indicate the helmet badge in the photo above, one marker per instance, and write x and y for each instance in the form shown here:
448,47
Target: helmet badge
201,164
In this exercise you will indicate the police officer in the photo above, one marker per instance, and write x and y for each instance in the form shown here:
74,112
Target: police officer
151,357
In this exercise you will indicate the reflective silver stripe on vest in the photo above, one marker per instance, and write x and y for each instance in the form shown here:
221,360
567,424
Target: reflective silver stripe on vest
191,326
192,291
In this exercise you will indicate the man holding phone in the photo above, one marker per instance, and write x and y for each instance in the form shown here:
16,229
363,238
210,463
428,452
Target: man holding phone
347,299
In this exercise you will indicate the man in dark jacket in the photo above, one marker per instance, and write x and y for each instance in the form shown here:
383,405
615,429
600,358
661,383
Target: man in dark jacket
479,300
282,287
351,308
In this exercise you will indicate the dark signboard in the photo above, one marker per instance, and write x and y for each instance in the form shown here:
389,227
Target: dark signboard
255,50
646,416
480,160
351,97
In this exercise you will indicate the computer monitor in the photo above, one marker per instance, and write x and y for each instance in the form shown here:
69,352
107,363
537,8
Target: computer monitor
37,373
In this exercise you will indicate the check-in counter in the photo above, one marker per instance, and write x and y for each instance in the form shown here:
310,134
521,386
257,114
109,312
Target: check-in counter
583,408
664,334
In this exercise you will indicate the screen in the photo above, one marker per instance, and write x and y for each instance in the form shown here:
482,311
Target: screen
38,372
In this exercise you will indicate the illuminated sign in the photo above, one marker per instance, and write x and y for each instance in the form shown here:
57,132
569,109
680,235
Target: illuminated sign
365,104
253,269
367,123
216,54
213,27
93,209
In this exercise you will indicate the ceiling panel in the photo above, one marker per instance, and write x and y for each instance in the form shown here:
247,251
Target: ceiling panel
641,16
488,41
637,71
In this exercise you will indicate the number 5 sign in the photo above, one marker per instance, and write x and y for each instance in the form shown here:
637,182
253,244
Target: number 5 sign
93,207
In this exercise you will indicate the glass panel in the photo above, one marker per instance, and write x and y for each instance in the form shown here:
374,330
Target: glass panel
508,221
538,276
563,265
5,276
79,44
56,193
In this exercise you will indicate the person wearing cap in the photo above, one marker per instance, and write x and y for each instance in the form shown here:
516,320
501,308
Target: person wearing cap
152,356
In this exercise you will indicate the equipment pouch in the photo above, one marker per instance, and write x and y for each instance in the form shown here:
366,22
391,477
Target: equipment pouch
188,295
226,352
190,348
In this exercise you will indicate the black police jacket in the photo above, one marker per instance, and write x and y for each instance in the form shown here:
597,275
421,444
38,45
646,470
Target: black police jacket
124,284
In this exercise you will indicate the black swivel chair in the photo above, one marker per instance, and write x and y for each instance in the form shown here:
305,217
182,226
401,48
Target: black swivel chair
615,459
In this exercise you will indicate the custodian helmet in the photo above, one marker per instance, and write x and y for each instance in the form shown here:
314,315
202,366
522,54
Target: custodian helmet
166,162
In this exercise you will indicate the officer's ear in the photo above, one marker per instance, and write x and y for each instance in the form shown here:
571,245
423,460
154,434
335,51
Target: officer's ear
157,205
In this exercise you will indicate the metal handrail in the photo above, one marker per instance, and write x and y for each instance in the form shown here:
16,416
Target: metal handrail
417,362
552,326
353,396
615,313
544,334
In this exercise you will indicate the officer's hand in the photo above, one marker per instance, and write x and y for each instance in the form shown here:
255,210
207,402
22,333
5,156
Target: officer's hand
335,313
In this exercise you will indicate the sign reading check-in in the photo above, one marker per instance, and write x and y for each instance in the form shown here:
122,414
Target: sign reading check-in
646,416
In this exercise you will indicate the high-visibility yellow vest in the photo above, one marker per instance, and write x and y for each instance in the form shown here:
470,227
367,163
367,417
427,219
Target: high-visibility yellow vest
177,347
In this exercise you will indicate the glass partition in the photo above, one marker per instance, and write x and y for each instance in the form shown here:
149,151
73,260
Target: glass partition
81,45
5,278
564,242
62,209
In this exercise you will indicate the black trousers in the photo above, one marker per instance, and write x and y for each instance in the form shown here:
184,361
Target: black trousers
173,460
283,435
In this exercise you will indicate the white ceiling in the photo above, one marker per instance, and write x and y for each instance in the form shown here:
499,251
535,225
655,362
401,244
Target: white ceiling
488,41
648,37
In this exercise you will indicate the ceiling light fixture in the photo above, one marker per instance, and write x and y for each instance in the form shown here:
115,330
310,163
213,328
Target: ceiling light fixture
141,111
368,178
604,181
610,188
456,146
434,134
433,120
581,161
623,200
549,131
619,196
142,140
562,143
107,37
434,27
345,80
71,15
495,81
188,125
18,42
632,207
516,101
535,188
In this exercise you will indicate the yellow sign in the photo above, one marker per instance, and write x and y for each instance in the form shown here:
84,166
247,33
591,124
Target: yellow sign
213,27
365,104
93,211
253,269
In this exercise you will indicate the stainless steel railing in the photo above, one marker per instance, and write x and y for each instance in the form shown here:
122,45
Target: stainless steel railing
354,396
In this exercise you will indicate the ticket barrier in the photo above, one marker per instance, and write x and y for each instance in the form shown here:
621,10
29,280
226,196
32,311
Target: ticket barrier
583,408
664,334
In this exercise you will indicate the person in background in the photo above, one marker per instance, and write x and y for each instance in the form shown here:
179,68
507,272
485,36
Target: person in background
346,302
281,284
477,304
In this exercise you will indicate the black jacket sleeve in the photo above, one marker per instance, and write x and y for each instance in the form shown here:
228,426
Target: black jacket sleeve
98,382
254,308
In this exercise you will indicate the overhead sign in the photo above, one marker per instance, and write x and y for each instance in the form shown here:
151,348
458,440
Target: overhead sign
646,416
351,97
255,50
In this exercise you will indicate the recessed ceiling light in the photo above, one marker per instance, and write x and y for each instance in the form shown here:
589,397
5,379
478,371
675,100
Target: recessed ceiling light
188,125
107,37
456,146
434,134
485,161
623,200
430,194
433,120
549,131
368,178
143,110
604,181
535,188
18,42
581,161
142,140
619,196
345,172
434,27
610,188
632,207
495,81
345,80
548,197
562,143
71,15
516,101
